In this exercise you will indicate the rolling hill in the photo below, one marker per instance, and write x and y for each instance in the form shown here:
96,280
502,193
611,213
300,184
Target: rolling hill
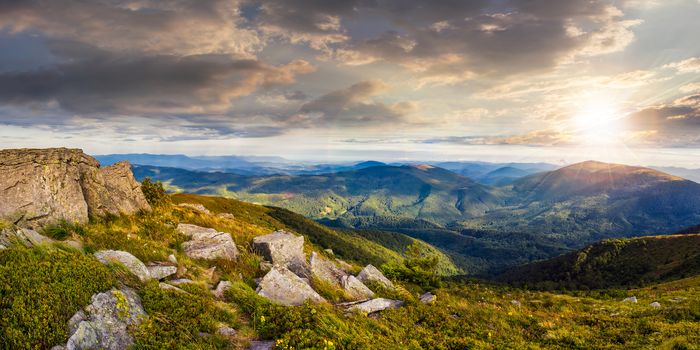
614,263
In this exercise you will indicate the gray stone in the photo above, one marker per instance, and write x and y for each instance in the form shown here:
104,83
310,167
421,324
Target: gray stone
23,236
180,281
329,251
429,298
221,289
196,206
630,300
172,259
160,271
355,289
58,347
207,243
374,305
515,303
284,287
226,332
655,304
281,248
372,274
226,216
105,323
129,261
261,345
325,270
43,186
170,287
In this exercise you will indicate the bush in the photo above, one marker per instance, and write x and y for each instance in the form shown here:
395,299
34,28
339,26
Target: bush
40,289
154,192
62,230
417,269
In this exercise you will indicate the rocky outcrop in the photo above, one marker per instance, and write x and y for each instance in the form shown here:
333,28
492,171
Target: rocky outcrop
207,243
374,305
284,287
325,270
42,186
371,274
133,264
105,323
281,248
24,236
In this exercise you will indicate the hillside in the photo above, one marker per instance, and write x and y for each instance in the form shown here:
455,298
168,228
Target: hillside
589,201
502,176
614,263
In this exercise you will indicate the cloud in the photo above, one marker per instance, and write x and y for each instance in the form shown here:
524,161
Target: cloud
674,124
541,138
146,84
690,65
354,106
185,27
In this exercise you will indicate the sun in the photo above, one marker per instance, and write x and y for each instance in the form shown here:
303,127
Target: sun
598,122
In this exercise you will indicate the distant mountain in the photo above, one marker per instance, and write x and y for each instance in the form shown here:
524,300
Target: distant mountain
478,170
503,176
690,174
589,201
615,263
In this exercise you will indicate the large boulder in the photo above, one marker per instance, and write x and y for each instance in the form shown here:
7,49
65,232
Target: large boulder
105,323
371,274
374,305
132,263
13,235
284,287
161,270
207,243
281,248
43,186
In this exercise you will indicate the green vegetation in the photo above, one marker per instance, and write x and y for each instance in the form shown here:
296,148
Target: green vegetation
615,263
40,289
154,192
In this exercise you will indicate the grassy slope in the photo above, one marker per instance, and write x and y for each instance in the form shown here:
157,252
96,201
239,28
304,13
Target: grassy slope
466,315
615,263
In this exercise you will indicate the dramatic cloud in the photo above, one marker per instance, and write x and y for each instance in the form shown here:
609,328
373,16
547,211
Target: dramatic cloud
353,106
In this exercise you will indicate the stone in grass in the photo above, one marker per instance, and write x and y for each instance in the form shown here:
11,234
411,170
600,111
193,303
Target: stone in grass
105,323
221,289
281,248
261,345
227,332
325,270
160,271
655,304
283,287
355,289
374,305
207,243
429,298
133,264
372,274
631,299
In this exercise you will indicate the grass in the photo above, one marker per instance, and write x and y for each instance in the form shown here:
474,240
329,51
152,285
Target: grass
41,288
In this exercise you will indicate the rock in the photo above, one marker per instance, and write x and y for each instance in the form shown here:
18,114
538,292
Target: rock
678,300
281,248
325,270
630,300
226,332
655,304
515,303
261,345
196,206
170,287
428,298
372,274
226,216
221,289
207,243
180,281
356,289
160,271
24,236
374,305
43,186
134,265
58,347
105,323
329,251
284,287
172,259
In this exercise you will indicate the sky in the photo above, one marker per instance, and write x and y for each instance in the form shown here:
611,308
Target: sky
501,80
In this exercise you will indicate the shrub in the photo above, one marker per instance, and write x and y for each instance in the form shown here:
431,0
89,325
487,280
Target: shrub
154,192
62,230
418,269
40,289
